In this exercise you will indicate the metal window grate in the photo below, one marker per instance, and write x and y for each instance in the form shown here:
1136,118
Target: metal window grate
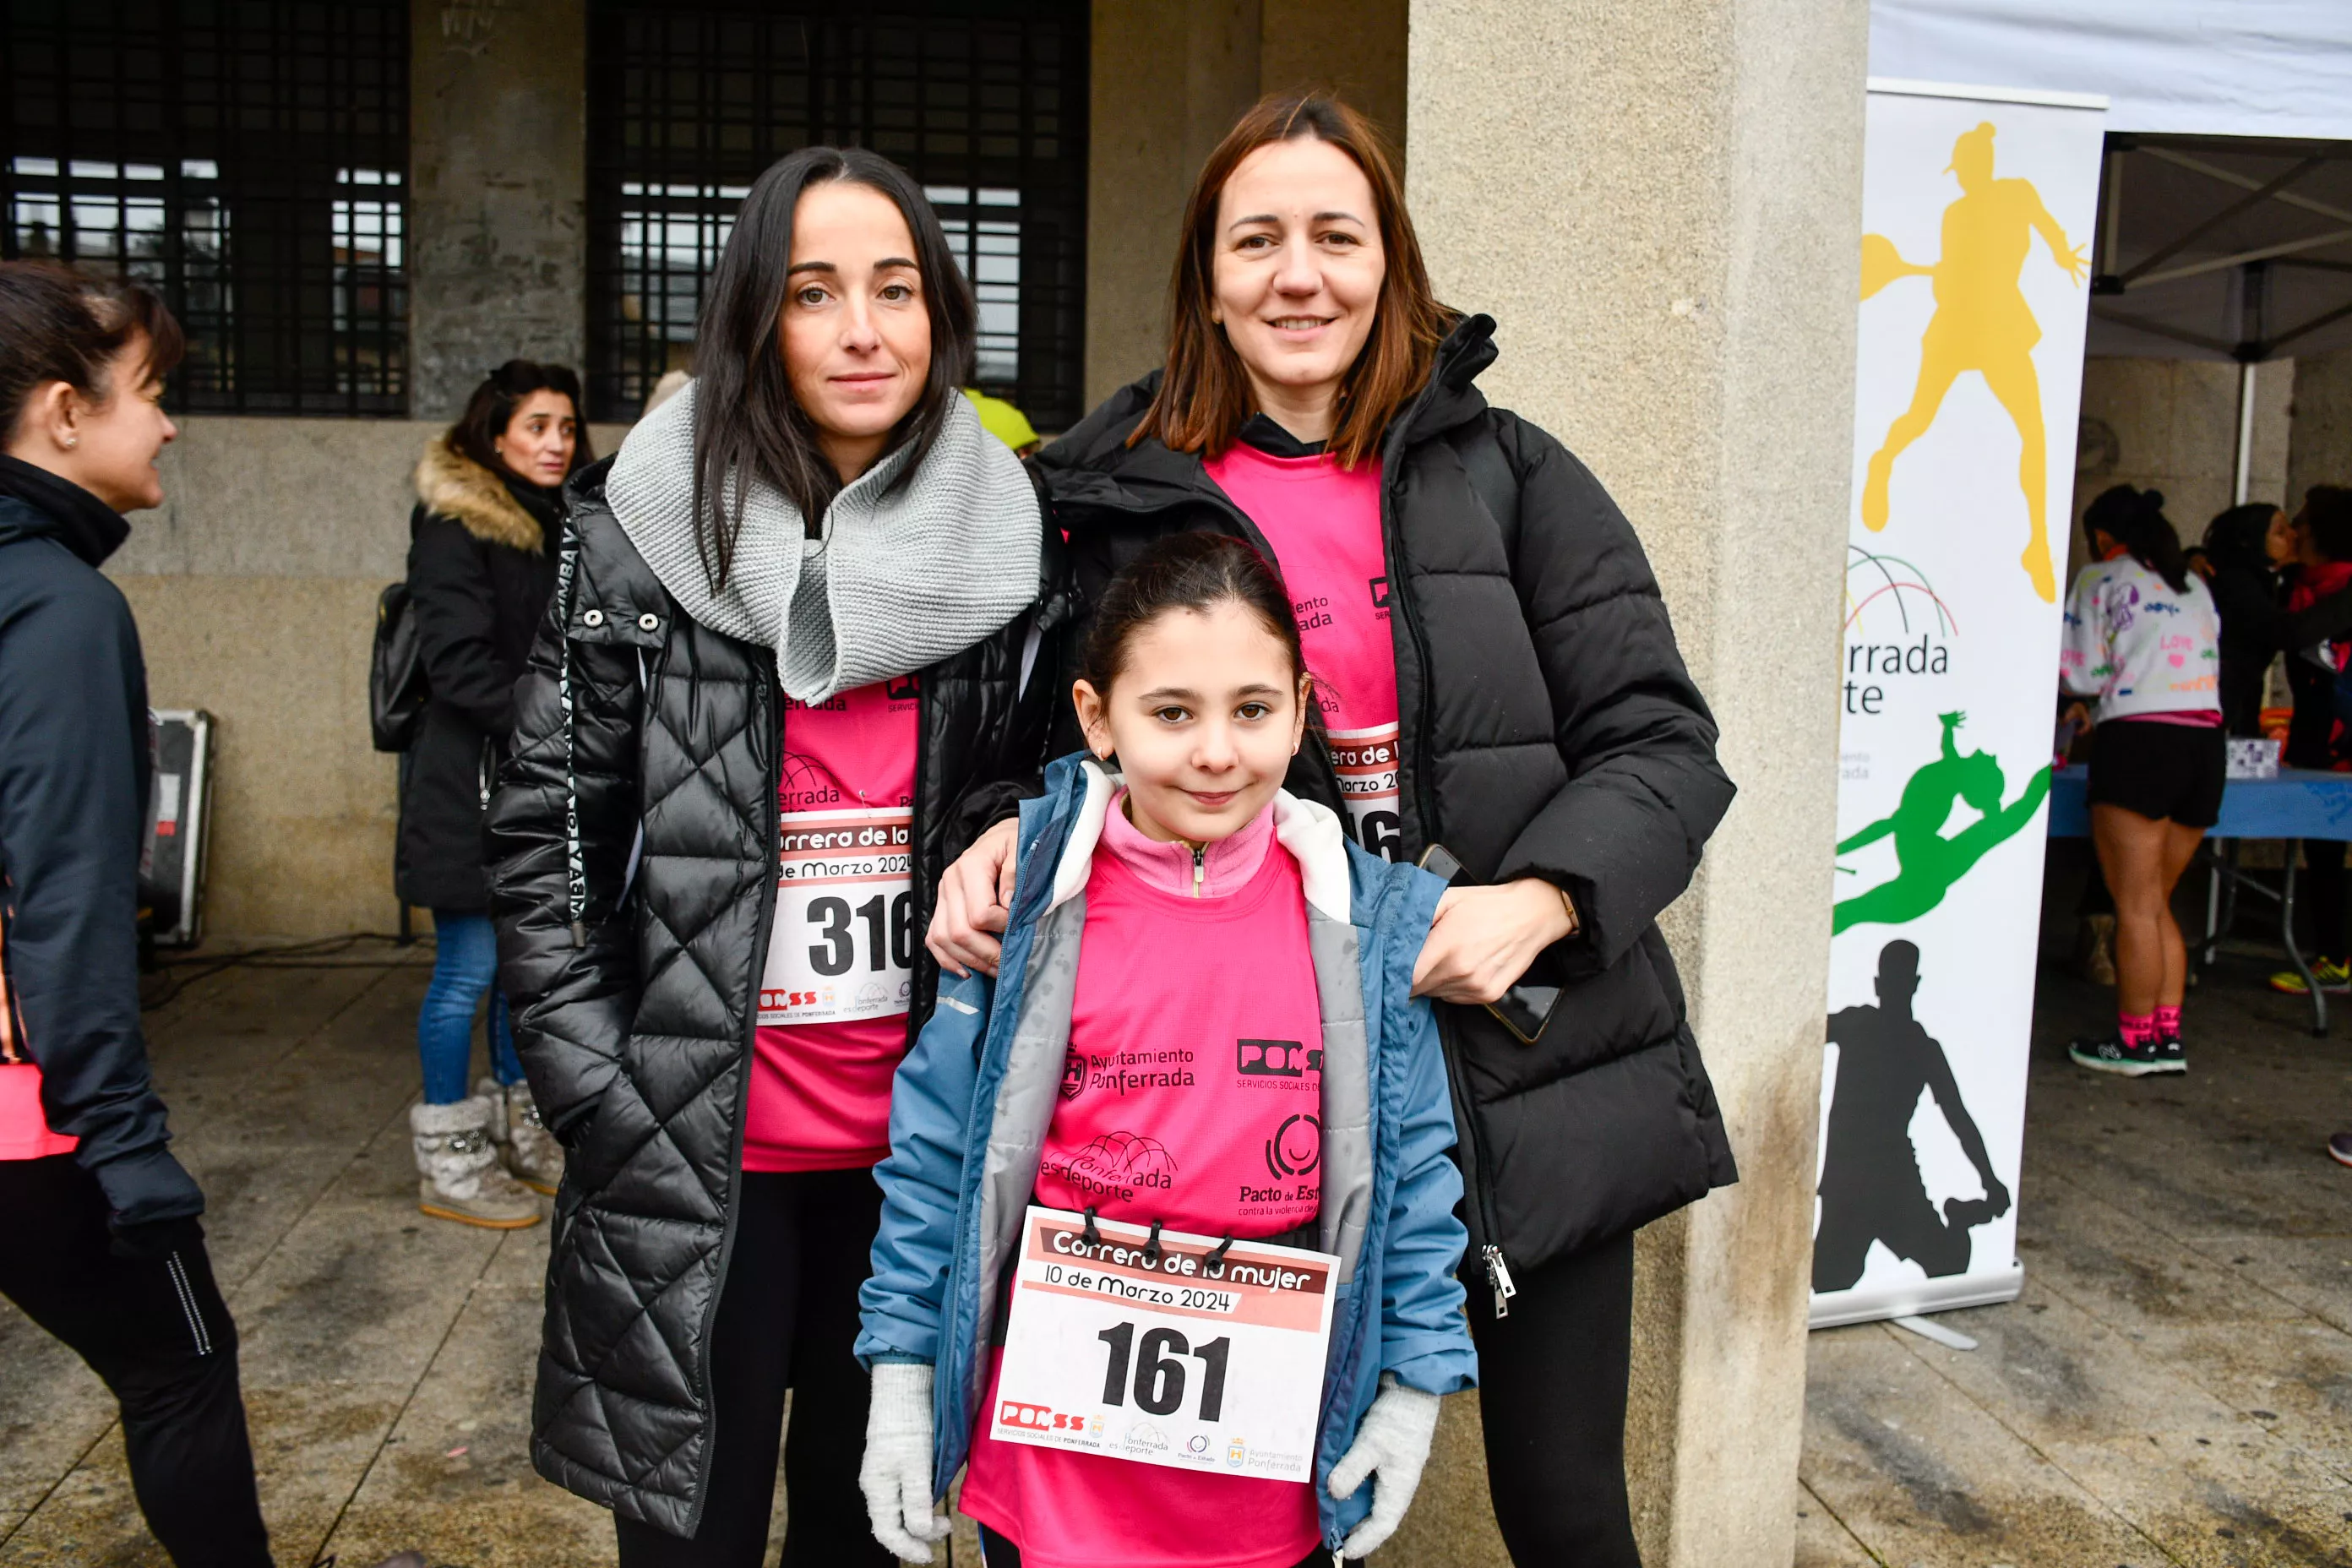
245,158
986,104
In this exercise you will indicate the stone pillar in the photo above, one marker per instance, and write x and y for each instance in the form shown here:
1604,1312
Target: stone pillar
1660,206
2319,447
497,252
1167,83
1353,48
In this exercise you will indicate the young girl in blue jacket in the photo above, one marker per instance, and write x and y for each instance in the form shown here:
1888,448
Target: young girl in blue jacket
1202,1022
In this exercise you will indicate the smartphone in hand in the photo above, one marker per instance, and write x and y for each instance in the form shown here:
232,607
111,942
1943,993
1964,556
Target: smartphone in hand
1524,1009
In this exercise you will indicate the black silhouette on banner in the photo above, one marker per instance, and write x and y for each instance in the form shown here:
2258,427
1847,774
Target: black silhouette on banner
1871,1186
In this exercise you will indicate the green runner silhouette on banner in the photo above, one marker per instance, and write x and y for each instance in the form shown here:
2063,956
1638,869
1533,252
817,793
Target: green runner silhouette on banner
1931,863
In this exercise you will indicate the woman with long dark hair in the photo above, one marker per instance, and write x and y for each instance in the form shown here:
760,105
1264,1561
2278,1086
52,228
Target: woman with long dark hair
481,564
2142,646
788,642
1497,680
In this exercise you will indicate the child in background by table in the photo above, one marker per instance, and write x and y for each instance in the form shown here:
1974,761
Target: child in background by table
1185,909
2142,642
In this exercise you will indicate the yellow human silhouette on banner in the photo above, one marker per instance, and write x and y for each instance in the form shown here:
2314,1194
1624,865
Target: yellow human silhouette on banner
1981,323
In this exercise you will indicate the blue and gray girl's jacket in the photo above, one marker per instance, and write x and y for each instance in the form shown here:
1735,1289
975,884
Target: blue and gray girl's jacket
972,1100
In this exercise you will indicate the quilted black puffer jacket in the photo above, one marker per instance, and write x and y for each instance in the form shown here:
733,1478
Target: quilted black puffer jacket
632,950
1550,729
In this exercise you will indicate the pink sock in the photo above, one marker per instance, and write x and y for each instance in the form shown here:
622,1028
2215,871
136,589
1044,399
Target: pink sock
2138,1029
2168,1022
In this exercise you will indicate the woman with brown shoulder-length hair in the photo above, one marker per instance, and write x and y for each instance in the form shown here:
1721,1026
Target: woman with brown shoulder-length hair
1500,690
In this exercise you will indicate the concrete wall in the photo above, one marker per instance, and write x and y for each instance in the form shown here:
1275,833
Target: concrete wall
255,587
498,258
2173,424
1168,82
1353,48
2322,426
1661,204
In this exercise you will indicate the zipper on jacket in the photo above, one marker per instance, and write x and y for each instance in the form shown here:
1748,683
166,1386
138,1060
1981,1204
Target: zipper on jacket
1200,867
765,697
922,999
1498,1278
1466,1113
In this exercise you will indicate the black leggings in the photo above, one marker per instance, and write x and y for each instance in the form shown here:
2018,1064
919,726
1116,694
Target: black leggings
787,1318
1551,1398
157,1332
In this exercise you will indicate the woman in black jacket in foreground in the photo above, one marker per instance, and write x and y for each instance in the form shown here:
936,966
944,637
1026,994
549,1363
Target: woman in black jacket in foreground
1497,677
788,641
481,564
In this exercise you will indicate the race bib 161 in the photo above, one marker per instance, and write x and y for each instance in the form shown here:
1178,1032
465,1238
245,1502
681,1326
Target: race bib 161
1180,1361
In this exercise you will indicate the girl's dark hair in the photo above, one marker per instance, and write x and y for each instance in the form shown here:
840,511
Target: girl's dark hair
746,421
2135,519
1185,571
57,324
2234,539
1205,397
2328,518
493,408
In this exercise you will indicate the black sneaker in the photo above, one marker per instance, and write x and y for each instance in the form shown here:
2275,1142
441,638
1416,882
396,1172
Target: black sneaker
2111,1055
2169,1056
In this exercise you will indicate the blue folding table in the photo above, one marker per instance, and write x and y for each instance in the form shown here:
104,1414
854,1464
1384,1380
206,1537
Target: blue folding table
2299,803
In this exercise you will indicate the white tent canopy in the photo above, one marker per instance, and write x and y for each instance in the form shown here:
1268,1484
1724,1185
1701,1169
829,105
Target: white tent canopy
2279,68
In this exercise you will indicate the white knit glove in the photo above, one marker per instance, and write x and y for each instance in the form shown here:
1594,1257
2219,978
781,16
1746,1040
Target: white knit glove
1393,1443
896,1473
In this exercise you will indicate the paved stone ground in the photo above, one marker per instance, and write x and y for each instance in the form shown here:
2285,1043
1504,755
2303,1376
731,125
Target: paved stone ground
2174,1388
2175,1385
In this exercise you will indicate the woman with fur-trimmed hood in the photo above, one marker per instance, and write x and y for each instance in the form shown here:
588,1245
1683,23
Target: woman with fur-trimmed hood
482,568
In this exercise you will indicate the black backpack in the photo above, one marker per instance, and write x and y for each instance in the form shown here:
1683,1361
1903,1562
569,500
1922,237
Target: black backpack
398,691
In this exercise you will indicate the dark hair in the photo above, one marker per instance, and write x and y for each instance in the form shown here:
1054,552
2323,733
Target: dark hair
1192,570
2135,519
57,324
1204,396
2327,518
746,421
2234,539
493,408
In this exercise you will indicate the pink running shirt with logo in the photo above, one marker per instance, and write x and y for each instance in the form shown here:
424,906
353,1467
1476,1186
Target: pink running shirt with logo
1192,1095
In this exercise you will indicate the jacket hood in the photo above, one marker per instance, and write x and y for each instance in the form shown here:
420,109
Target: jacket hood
453,485
36,504
1095,448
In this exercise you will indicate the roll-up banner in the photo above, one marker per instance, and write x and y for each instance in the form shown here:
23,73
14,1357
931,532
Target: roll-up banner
1978,207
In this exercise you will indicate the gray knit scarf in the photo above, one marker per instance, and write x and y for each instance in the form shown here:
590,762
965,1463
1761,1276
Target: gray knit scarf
899,581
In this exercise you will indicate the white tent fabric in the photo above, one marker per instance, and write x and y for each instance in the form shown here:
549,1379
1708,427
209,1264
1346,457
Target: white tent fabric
2211,68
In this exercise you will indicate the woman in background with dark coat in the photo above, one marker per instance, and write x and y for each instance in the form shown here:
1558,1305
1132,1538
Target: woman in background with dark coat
482,568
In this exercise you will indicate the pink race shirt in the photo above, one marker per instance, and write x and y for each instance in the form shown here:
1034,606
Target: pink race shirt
1191,1095
1324,523
840,970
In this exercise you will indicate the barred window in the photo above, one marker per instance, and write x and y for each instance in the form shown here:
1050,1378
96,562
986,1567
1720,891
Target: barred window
985,103
247,159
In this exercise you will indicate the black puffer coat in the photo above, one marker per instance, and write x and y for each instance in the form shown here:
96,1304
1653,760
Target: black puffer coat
480,570
1548,730
634,965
